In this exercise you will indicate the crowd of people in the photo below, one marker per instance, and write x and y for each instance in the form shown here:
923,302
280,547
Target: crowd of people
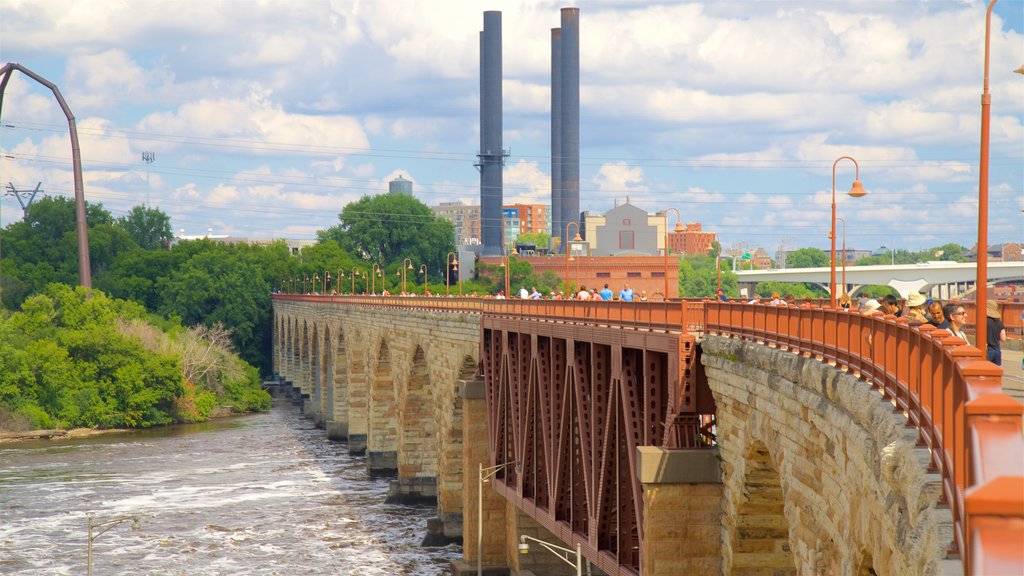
951,315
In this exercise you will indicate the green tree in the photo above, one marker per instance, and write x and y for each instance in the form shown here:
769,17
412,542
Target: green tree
389,227
698,277
542,240
795,289
807,258
150,228
221,286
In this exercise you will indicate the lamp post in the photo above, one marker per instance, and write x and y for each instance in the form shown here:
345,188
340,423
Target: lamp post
844,253
449,265
327,280
564,554
981,279
404,262
305,284
374,274
423,270
355,272
857,190
315,282
568,250
484,476
678,229
97,529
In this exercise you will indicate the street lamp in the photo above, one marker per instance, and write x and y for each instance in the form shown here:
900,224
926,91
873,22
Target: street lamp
327,280
97,529
857,190
316,280
981,279
423,270
374,274
449,265
568,250
483,477
678,230
355,272
564,554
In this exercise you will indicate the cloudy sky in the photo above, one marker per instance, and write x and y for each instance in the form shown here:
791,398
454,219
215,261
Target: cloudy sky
266,117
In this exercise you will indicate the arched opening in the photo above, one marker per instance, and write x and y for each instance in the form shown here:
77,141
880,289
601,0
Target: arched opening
762,531
381,437
337,419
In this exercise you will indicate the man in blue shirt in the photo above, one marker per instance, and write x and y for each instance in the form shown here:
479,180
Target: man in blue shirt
606,293
626,294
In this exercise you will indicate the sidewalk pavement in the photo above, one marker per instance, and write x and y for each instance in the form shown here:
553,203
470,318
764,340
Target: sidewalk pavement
1013,373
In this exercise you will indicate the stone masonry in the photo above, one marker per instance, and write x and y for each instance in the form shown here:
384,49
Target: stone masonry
821,475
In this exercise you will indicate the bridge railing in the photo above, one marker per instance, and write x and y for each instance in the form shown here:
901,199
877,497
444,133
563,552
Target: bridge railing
669,316
945,388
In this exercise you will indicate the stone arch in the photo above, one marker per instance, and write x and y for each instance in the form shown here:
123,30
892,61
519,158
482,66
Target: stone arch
303,368
326,376
761,541
337,422
417,429
855,484
449,456
315,393
359,377
382,413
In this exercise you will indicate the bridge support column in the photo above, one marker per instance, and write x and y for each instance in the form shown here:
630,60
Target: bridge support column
682,511
337,430
476,451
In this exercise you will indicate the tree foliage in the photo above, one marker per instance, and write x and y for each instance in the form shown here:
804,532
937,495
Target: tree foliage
389,227
149,228
808,258
66,360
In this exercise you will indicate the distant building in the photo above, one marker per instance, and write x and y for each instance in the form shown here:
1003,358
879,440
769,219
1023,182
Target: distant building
532,217
692,240
400,186
624,230
510,226
294,246
1004,252
465,218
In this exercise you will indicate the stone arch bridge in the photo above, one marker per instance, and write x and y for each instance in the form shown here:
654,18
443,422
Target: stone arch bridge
670,438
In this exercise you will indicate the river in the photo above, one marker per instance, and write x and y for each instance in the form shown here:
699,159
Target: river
262,494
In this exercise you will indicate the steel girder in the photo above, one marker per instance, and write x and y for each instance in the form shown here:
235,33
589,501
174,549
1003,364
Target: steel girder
570,404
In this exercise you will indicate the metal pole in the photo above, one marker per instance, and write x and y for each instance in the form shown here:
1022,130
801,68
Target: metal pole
981,280
480,521
88,561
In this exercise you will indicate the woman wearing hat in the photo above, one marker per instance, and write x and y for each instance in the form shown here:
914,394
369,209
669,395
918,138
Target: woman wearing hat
915,307
995,333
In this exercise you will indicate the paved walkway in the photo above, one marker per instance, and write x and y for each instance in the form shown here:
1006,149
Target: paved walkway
1013,373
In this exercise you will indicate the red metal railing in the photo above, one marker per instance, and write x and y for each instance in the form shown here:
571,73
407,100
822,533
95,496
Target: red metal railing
945,388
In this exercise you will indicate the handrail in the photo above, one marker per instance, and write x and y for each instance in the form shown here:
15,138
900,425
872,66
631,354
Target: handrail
656,316
946,389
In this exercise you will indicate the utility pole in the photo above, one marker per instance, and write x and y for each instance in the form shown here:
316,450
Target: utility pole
148,158
21,195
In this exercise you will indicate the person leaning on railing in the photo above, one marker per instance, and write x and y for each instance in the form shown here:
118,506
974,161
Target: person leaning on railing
996,333
957,317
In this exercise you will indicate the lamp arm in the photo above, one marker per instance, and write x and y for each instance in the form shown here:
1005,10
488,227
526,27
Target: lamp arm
565,554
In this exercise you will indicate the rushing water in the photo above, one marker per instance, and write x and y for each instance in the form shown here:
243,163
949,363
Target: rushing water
264,494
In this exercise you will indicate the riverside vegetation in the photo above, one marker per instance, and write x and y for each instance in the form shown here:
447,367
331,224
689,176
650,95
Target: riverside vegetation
69,360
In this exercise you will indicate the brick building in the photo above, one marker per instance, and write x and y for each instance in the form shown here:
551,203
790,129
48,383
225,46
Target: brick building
692,240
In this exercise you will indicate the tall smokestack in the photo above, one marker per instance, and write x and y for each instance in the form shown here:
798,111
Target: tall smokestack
492,156
557,224
569,125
